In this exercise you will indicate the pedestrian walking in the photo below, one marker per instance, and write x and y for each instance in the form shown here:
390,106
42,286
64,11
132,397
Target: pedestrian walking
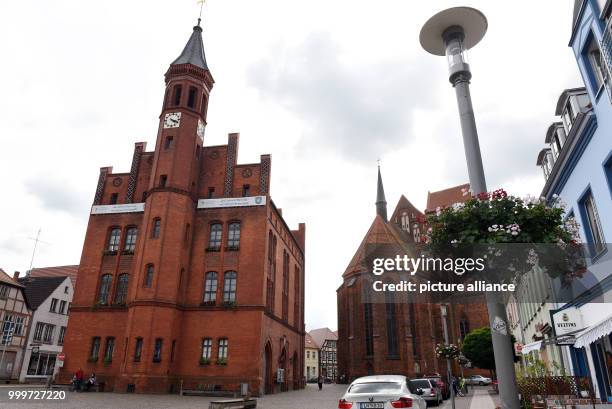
320,382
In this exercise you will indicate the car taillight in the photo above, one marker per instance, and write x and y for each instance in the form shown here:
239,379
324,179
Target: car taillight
344,404
402,403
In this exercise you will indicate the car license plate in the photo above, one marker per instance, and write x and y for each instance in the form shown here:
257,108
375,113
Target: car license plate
373,405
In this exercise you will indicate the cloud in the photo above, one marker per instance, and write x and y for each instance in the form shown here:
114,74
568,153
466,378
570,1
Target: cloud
358,110
56,195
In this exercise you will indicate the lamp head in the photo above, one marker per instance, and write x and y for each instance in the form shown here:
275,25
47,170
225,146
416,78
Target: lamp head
473,23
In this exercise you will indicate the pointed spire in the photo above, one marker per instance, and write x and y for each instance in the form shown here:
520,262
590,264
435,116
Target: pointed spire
193,53
381,202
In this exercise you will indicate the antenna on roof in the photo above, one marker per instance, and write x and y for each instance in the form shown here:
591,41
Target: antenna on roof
36,241
201,3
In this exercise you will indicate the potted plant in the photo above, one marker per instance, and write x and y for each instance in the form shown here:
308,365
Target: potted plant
445,351
204,361
222,361
107,361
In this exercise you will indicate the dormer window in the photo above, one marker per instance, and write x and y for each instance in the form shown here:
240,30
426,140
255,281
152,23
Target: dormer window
595,64
546,161
571,103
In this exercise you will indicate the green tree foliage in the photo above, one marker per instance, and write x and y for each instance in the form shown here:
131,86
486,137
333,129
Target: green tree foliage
478,348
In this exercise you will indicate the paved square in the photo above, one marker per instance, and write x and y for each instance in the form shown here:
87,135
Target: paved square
309,398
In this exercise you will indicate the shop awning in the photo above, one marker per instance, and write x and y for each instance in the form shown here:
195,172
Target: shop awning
534,346
594,332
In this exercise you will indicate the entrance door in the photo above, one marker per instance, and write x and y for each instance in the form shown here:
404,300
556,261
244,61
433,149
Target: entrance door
8,363
267,370
602,359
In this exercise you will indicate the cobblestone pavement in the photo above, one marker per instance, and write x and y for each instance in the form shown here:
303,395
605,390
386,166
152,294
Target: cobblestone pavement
309,398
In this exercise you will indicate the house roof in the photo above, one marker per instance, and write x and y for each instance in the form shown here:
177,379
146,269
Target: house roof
59,271
404,205
446,197
320,335
38,289
6,279
310,343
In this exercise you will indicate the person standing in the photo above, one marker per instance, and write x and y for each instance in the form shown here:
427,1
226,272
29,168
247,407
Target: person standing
78,379
320,382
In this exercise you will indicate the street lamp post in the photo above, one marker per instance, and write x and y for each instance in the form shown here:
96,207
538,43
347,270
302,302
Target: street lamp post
451,33
444,313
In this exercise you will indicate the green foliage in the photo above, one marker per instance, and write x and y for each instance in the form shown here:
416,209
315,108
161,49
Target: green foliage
478,348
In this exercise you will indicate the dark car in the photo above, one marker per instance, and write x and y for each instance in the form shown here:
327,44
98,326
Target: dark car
443,386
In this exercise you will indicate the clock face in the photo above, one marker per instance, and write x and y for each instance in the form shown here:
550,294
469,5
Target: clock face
172,120
201,128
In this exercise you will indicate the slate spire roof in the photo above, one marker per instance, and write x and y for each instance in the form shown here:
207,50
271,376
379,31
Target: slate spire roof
381,202
193,53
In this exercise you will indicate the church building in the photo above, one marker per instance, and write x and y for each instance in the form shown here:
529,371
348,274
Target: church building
189,275
397,335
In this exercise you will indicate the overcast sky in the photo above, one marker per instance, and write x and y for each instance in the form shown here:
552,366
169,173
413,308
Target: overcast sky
326,87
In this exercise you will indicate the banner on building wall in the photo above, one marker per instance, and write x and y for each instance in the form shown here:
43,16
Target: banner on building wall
232,202
567,321
118,208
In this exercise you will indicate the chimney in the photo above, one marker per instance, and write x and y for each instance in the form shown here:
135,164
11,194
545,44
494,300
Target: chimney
16,275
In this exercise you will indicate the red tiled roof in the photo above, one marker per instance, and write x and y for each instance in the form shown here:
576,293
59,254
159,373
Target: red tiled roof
309,342
58,271
446,197
320,335
5,278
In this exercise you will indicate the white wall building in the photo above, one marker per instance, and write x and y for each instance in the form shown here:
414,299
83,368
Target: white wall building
50,299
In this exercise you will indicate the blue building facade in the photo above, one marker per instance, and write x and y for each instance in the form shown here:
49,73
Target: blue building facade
577,166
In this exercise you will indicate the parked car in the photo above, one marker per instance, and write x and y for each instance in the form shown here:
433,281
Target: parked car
443,386
478,380
428,390
381,392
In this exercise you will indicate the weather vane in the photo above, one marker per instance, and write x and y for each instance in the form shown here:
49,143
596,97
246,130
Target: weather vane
201,3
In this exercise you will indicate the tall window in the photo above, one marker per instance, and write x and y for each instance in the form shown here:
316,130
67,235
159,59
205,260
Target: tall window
157,350
62,335
271,272
595,64
138,350
38,331
110,348
105,286
114,239
114,198
593,228
53,306
391,325
285,285
62,307
191,97
95,349
207,348
169,142
246,190
156,228
229,287
176,96
369,330
19,323
464,327
296,300
148,281
210,287
214,242
130,239
122,288
233,235
7,327
223,346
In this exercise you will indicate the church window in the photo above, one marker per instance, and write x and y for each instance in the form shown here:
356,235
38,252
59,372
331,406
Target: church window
148,282
156,228
245,190
391,325
130,239
114,198
229,287
122,288
210,287
105,286
233,236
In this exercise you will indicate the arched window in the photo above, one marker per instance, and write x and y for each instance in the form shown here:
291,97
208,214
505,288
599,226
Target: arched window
191,97
229,287
122,288
114,239
210,287
105,286
130,239
148,281
176,96
156,228
216,232
464,327
233,236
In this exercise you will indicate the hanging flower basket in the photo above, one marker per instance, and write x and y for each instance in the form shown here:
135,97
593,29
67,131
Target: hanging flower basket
450,351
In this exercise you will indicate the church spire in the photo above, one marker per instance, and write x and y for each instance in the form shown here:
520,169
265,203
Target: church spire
193,53
381,202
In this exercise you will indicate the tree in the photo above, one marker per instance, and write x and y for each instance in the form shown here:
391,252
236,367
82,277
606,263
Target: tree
478,348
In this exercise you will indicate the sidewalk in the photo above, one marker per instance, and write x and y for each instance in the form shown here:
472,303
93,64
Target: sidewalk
478,398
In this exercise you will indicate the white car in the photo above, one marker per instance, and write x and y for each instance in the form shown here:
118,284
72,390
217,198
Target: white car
478,380
381,392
